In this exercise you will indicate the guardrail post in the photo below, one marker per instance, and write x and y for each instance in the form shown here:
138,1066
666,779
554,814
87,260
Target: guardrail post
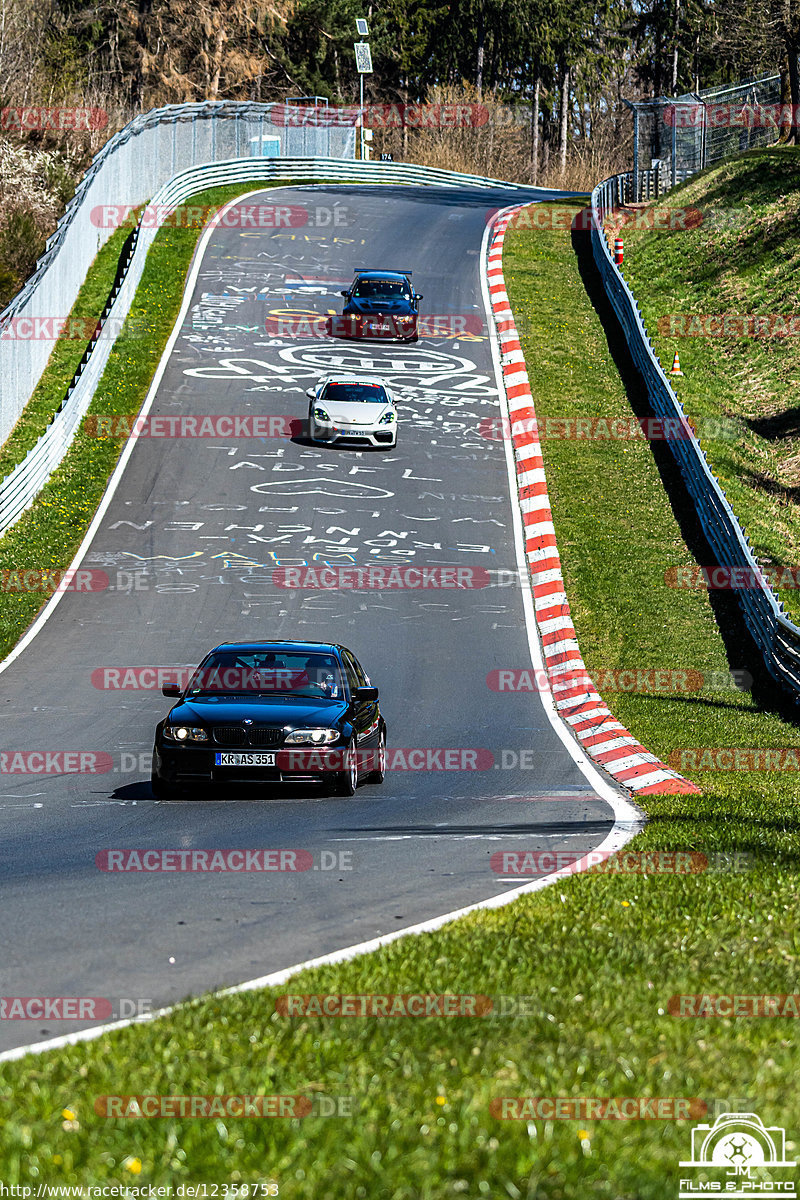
674,152
635,154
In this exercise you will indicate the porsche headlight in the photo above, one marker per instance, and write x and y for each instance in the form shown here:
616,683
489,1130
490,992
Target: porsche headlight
388,418
321,415
312,737
185,733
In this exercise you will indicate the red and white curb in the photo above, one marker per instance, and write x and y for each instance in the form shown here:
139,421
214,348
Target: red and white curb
605,739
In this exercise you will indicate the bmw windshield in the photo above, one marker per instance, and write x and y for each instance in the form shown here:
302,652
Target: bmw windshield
267,674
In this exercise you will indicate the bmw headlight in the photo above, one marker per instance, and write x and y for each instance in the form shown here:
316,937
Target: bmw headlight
185,733
388,418
320,414
312,737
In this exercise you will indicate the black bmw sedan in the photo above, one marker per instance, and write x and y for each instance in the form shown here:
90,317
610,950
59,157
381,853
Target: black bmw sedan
272,713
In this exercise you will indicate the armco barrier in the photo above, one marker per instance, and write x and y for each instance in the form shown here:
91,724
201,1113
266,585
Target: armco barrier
777,638
19,489
151,150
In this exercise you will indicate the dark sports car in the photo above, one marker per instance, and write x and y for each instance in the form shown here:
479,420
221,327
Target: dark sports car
272,713
379,304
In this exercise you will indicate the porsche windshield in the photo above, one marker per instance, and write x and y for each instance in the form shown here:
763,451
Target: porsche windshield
268,673
355,393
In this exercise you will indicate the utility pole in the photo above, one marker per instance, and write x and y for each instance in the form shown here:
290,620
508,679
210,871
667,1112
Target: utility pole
364,67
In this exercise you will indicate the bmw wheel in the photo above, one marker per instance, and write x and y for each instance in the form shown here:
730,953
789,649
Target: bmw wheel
347,780
378,774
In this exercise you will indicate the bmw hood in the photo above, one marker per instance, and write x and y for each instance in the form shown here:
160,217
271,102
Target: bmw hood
226,709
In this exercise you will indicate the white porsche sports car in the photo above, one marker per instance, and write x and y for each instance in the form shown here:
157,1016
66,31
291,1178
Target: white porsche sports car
349,408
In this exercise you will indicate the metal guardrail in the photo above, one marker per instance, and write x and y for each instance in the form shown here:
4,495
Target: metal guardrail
131,167
19,489
777,638
650,184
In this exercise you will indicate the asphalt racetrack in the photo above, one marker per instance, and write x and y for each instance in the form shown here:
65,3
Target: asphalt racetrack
190,542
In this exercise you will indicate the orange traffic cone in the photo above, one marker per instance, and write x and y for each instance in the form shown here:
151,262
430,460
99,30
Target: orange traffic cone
676,365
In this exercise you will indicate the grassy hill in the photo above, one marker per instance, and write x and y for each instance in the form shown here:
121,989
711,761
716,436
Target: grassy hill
741,259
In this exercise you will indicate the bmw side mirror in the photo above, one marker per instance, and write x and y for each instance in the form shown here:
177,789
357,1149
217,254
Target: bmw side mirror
170,689
365,693
345,294
311,393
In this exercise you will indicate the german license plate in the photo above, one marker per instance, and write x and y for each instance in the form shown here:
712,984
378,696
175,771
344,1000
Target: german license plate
225,759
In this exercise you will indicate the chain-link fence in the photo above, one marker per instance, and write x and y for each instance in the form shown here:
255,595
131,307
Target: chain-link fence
127,172
675,138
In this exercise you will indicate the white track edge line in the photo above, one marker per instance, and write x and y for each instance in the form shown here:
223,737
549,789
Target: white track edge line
628,820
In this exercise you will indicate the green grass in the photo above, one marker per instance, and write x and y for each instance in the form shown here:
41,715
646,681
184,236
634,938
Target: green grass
65,357
600,954
48,534
742,259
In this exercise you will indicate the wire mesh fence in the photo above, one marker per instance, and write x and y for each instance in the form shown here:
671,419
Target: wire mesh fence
676,137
